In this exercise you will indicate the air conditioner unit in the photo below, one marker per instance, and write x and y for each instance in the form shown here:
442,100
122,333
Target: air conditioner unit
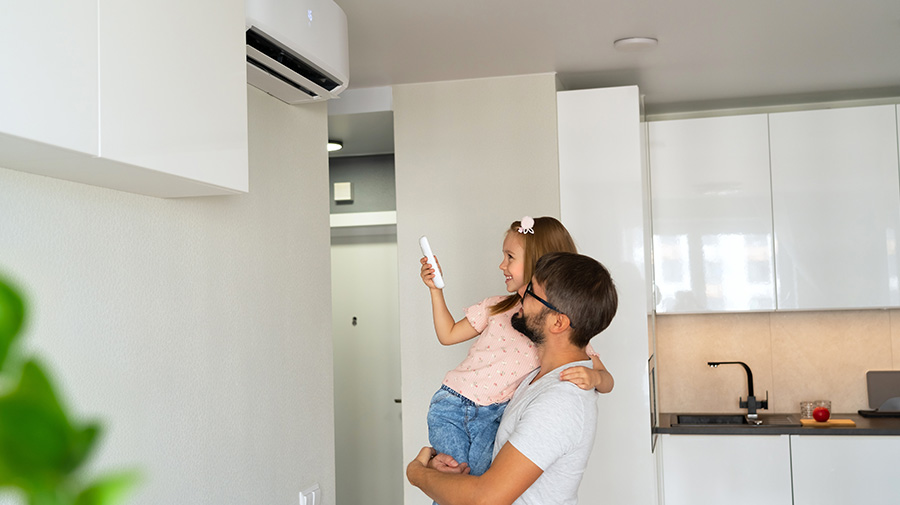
297,50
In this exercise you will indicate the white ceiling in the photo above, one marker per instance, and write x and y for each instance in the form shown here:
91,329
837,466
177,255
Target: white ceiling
712,54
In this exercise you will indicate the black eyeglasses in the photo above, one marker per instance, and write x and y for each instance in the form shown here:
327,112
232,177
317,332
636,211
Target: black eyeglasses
529,290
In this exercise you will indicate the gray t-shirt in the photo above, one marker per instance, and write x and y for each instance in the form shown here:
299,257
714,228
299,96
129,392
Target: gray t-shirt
552,423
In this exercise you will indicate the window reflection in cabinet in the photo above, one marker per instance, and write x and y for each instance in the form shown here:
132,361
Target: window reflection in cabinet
712,221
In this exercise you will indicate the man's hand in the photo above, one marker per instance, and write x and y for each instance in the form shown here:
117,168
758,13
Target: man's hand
445,463
425,455
508,477
415,467
429,458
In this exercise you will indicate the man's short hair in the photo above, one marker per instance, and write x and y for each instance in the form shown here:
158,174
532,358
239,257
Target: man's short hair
582,289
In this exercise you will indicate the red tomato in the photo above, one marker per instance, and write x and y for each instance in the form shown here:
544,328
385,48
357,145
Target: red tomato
821,414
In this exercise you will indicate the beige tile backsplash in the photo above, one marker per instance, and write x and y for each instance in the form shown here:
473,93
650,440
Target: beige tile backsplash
794,356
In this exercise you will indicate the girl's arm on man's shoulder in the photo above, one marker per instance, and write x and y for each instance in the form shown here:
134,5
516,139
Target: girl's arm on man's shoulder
597,378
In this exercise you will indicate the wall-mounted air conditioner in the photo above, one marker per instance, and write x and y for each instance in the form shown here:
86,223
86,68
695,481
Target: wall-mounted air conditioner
297,50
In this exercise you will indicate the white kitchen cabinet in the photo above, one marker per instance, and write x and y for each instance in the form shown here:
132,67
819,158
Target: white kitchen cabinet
48,88
173,88
601,198
712,214
718,469
836,208
146,97
845,469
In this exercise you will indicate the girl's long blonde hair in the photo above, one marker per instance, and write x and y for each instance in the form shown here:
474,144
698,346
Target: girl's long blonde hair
549,236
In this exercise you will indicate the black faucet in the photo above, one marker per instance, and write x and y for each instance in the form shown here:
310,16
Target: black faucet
752,403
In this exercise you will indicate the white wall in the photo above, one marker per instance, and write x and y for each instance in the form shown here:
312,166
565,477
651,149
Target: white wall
471,157
199,329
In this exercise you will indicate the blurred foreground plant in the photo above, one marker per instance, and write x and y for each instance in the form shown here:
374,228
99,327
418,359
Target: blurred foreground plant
41,447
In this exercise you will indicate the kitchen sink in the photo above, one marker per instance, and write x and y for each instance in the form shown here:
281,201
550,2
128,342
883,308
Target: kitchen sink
707,419
735,420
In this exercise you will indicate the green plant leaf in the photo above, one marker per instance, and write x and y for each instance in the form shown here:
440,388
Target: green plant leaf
108,490
48,495
12,314
39,447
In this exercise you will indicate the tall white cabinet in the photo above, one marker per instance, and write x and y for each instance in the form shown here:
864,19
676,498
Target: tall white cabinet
836,201
712,214
602,203
147,96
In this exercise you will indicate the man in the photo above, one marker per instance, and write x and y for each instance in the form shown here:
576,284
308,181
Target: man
547,432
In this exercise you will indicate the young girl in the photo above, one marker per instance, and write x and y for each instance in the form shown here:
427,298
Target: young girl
465,413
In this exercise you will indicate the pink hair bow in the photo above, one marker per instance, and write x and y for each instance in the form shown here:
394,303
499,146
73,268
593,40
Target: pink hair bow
527,226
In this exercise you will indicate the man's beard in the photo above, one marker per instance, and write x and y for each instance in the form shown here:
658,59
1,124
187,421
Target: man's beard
522,324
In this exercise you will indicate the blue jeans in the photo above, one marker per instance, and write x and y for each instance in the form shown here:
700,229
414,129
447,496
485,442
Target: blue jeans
462,429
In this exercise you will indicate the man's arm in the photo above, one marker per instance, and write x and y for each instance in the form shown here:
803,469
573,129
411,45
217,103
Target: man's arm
510,474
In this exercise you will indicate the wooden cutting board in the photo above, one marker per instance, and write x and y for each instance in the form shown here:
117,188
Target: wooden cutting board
828,424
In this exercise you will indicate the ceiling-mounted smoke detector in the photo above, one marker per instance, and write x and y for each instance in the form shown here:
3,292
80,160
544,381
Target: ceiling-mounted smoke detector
632,44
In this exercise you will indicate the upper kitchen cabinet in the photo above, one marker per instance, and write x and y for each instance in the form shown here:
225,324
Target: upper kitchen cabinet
836,207
146,97
48,92
712,214
174,88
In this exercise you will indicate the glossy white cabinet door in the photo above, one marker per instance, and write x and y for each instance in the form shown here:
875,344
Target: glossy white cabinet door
173,88
836,207
148,97
602,205
712,214
720,469
845,469
48,82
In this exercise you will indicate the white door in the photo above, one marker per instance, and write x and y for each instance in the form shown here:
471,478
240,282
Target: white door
366,332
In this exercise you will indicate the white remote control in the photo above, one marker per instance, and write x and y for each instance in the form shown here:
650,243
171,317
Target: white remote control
429,257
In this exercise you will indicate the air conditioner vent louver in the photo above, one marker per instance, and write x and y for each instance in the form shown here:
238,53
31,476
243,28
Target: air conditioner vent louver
297,50
280,77
261,43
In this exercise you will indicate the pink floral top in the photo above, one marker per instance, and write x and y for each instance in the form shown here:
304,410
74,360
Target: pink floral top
499,358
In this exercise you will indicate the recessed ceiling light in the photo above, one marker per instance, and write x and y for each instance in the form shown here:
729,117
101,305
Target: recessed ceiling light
635,44
335,145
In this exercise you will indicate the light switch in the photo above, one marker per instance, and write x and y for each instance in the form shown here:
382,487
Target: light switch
310,496
343,192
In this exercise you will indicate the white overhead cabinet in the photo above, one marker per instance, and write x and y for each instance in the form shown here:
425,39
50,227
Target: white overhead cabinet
148,97
48,87
836,205
712,214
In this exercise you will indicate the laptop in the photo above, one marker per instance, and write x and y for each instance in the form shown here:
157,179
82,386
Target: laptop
884,393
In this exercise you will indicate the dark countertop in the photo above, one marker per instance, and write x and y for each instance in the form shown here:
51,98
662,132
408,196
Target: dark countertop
864,426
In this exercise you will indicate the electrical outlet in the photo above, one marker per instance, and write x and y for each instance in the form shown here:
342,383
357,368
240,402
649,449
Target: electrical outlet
310,496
